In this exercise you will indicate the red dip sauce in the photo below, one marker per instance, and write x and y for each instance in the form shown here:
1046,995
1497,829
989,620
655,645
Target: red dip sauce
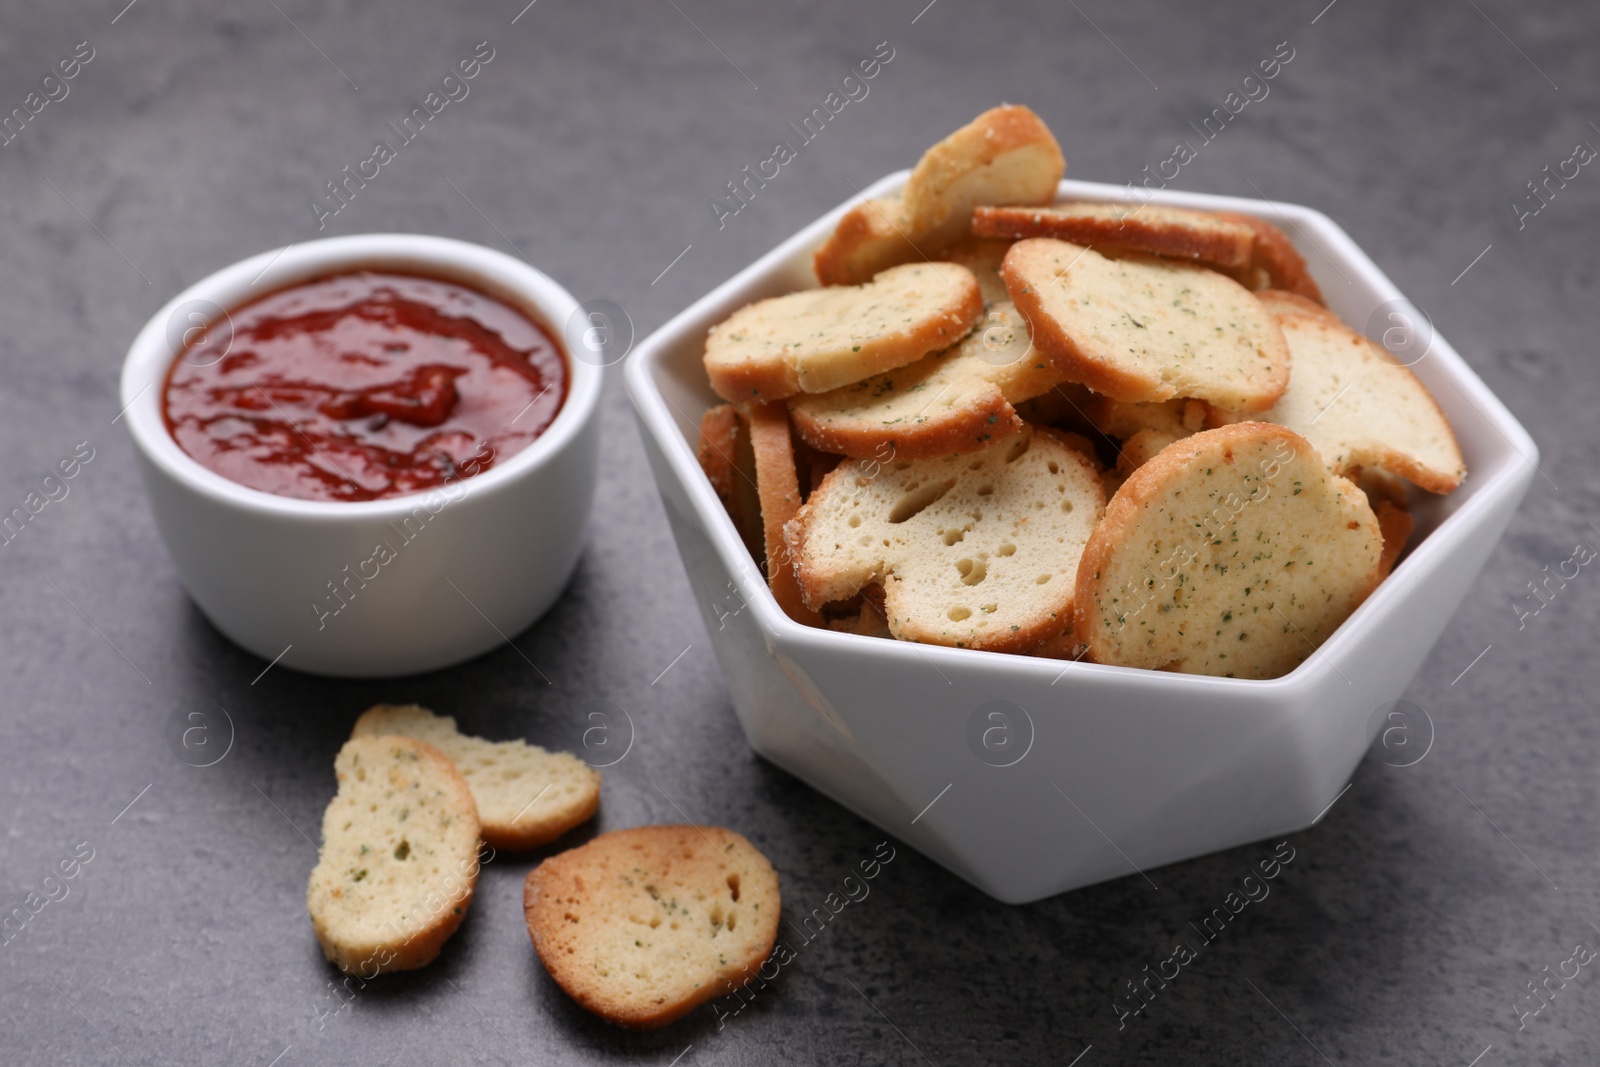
364,386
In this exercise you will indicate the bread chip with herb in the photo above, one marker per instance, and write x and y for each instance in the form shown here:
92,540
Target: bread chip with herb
399,859
642,926
1233,552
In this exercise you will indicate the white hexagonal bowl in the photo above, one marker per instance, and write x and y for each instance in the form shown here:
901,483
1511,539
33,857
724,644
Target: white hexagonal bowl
1120,770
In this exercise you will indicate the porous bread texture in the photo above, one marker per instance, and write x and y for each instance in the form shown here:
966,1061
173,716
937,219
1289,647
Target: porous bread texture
977,551
777,482
1234,552
525,796
399,857
1004,156
1175,232
954,401
725,454
819,339
641,926
1356,404
1144,329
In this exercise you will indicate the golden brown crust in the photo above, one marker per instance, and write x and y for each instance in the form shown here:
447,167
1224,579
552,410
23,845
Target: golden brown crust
1397,526
753,381
1274,258
642,926
1063,353
984,417
1415,473
1299,317
1007,150
779,486
1013,126
1005,155
1155,481
511,781
1064,645
1282,302
403,943
1106,372
871,237
719,432
900,316
725,455
513,839
1158,230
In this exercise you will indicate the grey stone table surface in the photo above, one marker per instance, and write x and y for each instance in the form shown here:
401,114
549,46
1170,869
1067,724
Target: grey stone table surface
1412,918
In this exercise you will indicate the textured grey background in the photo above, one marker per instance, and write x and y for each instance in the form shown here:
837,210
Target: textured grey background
1407,924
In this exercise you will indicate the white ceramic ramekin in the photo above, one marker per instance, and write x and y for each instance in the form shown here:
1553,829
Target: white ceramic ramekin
1027,776
472,564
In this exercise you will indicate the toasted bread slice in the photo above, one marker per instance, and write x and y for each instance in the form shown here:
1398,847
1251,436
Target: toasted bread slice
819,339
1397,526
1174,232
975,552
953,401
778,482
1234,552
1004,156
1143,329
525,795
873,236
1274,262
869,419
642,926
1356,404
725,455
399,858
1251,250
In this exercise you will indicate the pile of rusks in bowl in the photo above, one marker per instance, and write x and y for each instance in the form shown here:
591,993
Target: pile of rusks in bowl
1125,433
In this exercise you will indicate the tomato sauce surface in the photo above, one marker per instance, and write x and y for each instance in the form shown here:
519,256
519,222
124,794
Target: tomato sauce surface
363,386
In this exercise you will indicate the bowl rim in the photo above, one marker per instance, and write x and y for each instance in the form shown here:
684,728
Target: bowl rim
654,411
513,281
